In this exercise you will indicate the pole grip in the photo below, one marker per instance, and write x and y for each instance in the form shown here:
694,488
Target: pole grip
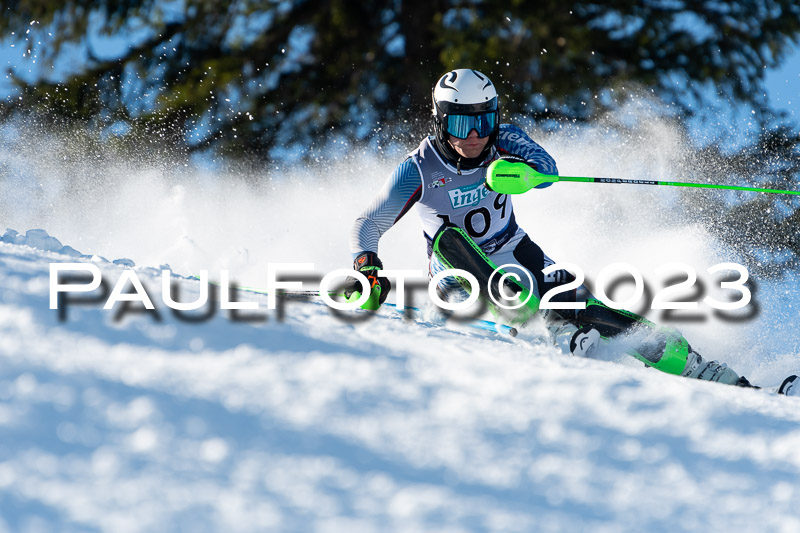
508,177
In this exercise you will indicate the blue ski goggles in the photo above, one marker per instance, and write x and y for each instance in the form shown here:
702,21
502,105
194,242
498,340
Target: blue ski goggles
460,125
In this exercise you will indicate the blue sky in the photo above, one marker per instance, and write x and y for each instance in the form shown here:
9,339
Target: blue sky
783,85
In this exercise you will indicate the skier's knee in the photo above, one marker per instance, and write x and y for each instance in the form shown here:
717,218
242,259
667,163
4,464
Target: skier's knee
610,322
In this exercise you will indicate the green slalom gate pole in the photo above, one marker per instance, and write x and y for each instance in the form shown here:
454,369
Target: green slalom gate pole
507,177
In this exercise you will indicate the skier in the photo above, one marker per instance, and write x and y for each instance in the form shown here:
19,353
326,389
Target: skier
471,227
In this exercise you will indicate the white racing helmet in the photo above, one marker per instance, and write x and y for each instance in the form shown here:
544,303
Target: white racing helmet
465,100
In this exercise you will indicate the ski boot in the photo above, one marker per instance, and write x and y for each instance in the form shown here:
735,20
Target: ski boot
584,341
699,368
790,386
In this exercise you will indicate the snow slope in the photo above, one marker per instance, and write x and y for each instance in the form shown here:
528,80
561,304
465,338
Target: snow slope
312,423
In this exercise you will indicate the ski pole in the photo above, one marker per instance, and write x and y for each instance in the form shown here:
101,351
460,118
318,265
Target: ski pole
488,325
676,184
507,177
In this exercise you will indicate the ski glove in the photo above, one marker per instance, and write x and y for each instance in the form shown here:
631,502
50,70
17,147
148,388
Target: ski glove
511,174
368,264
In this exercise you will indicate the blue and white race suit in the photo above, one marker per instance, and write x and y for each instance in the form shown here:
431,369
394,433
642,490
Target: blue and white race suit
444,194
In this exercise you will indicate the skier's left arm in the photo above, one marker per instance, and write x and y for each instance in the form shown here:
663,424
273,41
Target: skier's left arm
514,145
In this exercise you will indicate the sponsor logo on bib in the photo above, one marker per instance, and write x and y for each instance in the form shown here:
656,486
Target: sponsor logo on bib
439,180
468,196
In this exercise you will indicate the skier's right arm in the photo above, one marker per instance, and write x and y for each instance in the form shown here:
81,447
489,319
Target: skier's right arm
400,192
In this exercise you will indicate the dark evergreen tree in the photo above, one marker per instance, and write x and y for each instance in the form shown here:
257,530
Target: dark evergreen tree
249,78
256,73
